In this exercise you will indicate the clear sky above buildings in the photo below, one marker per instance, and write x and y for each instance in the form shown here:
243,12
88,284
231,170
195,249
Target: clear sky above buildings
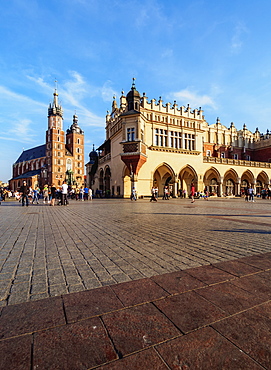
208,53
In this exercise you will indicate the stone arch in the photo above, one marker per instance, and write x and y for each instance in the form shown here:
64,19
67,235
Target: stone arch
211,181
262,181
126,175
247,180
230,183
187,176
107,179
164,175
101,180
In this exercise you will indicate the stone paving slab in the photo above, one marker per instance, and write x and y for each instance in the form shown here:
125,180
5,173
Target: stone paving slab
48,251
114,284
215,325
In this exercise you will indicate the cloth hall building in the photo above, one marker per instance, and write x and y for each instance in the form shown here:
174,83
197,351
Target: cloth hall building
60,158
149,143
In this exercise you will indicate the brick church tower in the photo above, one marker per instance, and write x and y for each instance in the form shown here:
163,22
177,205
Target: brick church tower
64,153
55,144
75,152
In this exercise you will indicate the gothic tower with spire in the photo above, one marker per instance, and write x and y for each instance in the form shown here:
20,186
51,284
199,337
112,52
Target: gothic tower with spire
55,144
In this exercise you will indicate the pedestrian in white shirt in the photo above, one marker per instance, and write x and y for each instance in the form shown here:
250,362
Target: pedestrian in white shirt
64,194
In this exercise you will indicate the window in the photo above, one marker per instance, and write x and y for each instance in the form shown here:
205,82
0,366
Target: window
189,141
130,134
208,153
78,141
161,137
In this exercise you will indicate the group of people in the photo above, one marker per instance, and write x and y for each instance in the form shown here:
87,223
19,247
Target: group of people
51,194
167,193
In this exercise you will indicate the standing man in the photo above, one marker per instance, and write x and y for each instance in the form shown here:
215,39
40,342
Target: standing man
86,193
193,191
64,194
24,193
53,194
133,194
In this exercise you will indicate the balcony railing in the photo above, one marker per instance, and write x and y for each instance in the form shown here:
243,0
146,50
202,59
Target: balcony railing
236,162
105,158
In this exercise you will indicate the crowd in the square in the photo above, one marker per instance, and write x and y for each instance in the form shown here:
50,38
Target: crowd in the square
49,194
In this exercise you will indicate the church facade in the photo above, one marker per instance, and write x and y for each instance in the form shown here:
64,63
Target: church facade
149,143
60,158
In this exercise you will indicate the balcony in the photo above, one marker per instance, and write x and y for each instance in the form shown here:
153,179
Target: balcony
105,158
236,162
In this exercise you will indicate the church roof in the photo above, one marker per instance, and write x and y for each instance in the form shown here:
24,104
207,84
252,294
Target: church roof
27,174
33,153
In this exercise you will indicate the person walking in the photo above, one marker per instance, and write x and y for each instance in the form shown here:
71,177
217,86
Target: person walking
24,193
53,195
133,194
86,191
90,193
250,194
64,194
192,194
81,194
45,194
206,193
35,196
166,193
153,194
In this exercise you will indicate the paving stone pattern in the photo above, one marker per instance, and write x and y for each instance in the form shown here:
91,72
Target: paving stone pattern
211,317
48,251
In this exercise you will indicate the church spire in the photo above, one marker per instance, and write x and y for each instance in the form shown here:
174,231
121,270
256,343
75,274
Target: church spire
55,113
55,108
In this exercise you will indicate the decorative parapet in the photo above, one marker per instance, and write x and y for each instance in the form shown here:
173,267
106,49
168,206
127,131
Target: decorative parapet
105,158
236,162
134,147
172,150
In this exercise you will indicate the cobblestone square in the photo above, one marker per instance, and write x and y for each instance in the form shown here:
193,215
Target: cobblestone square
49,251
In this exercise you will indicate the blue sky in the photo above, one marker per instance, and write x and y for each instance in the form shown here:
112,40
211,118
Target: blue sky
213,54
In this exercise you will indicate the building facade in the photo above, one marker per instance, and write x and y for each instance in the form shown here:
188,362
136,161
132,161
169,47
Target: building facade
60,158
149,143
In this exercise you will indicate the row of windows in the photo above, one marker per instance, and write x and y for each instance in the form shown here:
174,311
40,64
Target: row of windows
174,139
223,155
174,121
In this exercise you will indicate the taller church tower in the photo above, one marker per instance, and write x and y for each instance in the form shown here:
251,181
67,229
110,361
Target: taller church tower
55,144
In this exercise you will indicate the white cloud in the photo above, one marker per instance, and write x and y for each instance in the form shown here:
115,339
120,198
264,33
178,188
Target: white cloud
11,97
185,97
107,91
237,39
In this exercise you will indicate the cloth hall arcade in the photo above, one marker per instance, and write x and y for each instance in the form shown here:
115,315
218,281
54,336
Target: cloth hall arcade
149,143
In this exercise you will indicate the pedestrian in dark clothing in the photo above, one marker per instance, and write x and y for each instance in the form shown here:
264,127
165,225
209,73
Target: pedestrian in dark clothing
24,190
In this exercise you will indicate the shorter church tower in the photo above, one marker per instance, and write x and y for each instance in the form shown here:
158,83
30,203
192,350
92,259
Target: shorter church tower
75,152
